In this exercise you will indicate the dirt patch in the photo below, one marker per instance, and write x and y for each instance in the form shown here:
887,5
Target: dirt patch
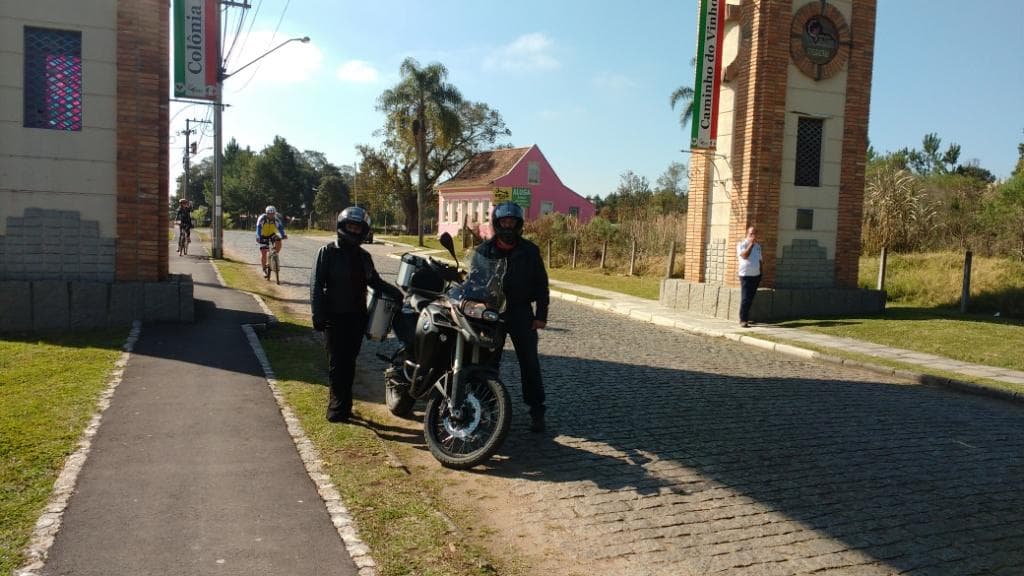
488,510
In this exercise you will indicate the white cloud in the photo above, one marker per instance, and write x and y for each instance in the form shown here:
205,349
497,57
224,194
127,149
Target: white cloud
357,72
293,63
613,81
528,52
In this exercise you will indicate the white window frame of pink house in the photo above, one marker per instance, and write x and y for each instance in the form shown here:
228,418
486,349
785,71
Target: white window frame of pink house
547,207
476,212
533,172
487,212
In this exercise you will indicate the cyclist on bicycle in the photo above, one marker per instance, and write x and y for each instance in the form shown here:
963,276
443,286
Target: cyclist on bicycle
268,226
184,219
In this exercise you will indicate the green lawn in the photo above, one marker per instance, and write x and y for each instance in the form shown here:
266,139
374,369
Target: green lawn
49,387
971,338
647,287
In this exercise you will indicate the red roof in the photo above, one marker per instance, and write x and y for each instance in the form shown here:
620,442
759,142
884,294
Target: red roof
486,167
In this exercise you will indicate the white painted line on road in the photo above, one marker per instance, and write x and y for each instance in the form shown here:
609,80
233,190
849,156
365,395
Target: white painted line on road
49,522
965,444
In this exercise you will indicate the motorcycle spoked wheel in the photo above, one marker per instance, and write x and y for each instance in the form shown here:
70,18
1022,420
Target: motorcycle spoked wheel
466,443
397,398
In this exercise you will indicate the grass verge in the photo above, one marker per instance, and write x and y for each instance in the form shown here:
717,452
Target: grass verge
402,515
895,364
49,386
647,287
976,339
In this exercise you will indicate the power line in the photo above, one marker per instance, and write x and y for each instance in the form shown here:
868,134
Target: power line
269,44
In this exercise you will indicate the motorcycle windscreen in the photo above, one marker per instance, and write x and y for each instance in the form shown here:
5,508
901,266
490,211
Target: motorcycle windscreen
485,282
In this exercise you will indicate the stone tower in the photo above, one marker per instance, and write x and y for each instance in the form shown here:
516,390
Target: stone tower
792,124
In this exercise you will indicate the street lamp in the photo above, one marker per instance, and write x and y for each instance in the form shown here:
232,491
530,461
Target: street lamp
222,75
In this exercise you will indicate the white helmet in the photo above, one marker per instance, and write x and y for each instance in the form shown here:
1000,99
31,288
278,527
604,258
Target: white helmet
271,210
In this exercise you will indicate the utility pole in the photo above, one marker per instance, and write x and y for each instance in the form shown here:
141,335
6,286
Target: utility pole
188,150
218,128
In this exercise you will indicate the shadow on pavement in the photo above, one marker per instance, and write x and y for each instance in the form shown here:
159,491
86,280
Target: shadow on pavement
902,473
895,471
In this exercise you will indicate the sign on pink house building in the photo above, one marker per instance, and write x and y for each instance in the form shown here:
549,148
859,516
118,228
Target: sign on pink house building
522,175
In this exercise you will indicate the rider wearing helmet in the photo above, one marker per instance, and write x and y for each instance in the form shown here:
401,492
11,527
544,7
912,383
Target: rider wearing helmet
269,226
341,273
526,291
184,218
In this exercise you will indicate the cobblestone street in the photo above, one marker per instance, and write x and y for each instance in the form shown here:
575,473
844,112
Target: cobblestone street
669,453
675,454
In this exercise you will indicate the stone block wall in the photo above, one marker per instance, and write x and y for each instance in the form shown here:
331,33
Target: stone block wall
717,260
42,305
770,304
55,245
804,264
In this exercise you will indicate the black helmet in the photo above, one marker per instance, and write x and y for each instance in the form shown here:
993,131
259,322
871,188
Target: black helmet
508,210
353,215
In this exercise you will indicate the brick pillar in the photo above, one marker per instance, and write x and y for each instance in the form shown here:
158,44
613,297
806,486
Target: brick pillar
855,141
142,139
761,81
697,216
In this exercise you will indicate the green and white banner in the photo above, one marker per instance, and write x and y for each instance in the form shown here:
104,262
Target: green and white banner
196,26
708,74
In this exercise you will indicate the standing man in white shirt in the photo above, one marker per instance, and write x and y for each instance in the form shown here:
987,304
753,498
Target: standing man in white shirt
748,254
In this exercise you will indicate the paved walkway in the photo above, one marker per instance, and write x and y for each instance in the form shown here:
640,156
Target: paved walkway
193,470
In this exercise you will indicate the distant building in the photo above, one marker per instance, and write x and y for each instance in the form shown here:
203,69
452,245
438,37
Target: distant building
519,174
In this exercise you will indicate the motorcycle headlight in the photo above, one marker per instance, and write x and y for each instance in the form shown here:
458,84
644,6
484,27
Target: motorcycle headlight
474,309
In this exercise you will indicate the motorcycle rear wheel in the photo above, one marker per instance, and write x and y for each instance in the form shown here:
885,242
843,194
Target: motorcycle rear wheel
464,444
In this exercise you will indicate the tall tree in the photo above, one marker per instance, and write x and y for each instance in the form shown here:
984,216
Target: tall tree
277,178
684,97
670,195
1019,168
332,196
422,105
930,160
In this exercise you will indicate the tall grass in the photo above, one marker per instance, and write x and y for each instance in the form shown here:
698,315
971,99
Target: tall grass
934,280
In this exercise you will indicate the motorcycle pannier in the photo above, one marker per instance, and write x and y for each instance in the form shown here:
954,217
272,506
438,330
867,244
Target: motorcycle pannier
406,269
381,309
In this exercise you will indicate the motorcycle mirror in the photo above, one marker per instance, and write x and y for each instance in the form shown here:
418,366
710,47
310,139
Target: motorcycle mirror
447,242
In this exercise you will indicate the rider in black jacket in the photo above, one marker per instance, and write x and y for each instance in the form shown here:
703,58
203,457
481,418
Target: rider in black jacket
525,285
341,273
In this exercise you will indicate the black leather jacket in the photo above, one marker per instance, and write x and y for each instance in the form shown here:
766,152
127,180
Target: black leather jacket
330,284
526,279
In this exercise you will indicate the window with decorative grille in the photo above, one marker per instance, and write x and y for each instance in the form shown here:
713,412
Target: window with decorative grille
53,79
808,151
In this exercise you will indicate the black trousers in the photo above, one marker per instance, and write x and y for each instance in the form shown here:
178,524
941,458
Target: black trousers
344,338
748,289
519,327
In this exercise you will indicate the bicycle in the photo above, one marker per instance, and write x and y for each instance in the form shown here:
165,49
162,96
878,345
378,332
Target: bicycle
183,242
273,260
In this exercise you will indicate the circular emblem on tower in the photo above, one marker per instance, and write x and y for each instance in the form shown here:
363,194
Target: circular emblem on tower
819,40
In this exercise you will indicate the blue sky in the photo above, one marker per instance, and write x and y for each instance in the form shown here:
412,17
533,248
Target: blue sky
589,81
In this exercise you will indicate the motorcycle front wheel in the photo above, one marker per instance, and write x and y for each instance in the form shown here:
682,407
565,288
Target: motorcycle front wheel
466,442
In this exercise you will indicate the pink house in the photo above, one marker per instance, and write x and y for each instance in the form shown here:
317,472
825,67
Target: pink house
522,175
